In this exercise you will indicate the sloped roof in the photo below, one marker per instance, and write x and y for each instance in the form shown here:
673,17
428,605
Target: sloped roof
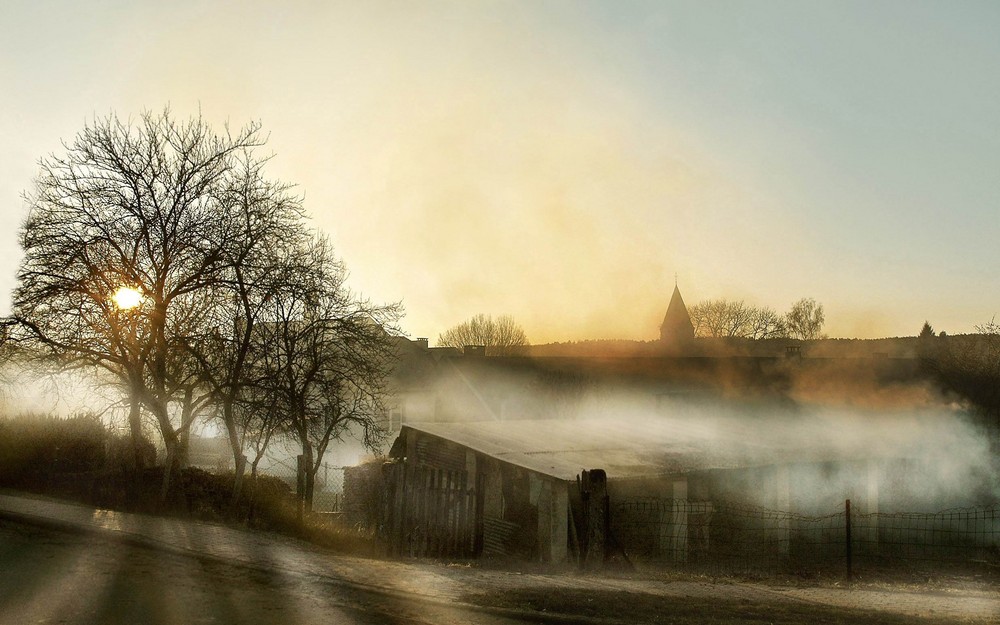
561,448
684,443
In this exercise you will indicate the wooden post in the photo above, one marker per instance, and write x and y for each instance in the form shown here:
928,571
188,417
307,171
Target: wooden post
423,484
469,491
573,535
559,526
596,516
480,515
399,516
847,527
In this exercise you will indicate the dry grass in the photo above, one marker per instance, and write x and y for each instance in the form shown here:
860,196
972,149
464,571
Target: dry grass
633,607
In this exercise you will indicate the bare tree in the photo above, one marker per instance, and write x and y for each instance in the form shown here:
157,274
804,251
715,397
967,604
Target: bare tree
765,323
723,318
326,356
144,207
502,336
264,244
805,319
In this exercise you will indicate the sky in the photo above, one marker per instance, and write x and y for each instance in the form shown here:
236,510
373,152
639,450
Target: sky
566,162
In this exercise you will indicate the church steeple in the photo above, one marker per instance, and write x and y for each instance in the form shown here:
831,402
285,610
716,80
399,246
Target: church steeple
676,327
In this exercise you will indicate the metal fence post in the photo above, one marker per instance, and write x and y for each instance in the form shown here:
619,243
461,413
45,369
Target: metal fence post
300,486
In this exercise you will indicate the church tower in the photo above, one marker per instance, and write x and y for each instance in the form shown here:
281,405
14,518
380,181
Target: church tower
676,328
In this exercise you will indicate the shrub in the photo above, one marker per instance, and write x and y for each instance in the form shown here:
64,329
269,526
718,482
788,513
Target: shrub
35,448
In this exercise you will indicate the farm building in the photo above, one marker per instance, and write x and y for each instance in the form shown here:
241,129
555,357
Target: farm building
567,489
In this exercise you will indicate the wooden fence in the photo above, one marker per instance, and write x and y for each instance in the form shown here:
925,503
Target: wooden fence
429,512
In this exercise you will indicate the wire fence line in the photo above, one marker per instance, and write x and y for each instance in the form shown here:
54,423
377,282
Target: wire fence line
730,537
328,492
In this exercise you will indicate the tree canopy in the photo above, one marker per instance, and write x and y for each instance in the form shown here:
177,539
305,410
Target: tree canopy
723,318
502,336
805,320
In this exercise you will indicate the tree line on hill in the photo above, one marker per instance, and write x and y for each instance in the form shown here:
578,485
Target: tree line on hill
718,318
967,365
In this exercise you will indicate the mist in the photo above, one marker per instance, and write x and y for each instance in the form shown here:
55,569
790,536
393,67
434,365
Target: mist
901,446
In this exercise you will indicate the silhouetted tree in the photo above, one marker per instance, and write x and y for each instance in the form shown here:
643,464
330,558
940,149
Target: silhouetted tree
805,320
155,206
325,356
723,318
502,336
926,331
264,242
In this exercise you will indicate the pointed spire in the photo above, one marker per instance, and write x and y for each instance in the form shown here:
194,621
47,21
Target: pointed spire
676,326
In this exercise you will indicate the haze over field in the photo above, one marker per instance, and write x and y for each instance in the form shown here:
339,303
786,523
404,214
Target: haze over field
561,162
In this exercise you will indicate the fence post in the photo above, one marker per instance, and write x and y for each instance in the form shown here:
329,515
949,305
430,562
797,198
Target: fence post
300,487
597,517
847,527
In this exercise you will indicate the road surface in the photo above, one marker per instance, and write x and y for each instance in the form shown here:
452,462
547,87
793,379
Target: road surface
69,563
47,576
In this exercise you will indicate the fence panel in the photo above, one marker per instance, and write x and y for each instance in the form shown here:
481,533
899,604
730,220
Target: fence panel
429,512
728,537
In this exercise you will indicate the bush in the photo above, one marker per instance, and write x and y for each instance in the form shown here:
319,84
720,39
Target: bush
79,459
34,449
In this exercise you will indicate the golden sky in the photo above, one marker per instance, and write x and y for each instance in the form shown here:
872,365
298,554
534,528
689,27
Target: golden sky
561,162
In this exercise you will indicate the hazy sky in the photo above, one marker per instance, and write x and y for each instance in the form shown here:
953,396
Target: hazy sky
562,161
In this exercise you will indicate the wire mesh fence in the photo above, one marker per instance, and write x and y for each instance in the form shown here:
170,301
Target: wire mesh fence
328,491
730,537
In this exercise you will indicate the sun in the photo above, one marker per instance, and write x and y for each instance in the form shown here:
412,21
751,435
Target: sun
126,297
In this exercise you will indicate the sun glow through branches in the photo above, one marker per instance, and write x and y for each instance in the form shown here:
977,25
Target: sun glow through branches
127,297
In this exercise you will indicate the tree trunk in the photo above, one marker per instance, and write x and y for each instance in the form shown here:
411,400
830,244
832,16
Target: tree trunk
307,452
135,431
184,449
168,466
184,434
170,443
239,460
241,468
